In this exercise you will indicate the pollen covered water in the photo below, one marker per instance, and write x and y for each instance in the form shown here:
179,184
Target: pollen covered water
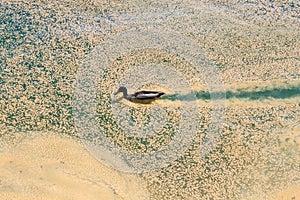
228,126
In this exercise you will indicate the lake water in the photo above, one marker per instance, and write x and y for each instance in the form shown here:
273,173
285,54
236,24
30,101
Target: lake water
227,128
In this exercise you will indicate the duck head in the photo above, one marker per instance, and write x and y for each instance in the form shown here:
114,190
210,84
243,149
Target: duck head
122,89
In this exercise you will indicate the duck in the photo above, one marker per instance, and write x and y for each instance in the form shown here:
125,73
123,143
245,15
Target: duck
144,96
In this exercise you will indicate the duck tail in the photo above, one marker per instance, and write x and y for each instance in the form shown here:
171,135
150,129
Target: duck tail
160,94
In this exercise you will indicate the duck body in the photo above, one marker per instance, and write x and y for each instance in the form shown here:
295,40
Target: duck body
144,96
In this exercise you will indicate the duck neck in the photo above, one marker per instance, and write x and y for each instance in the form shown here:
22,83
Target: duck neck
125,93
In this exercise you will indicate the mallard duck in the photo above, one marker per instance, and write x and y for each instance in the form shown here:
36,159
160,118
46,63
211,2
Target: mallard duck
144,96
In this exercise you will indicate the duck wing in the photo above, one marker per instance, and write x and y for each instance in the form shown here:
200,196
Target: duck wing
147,94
